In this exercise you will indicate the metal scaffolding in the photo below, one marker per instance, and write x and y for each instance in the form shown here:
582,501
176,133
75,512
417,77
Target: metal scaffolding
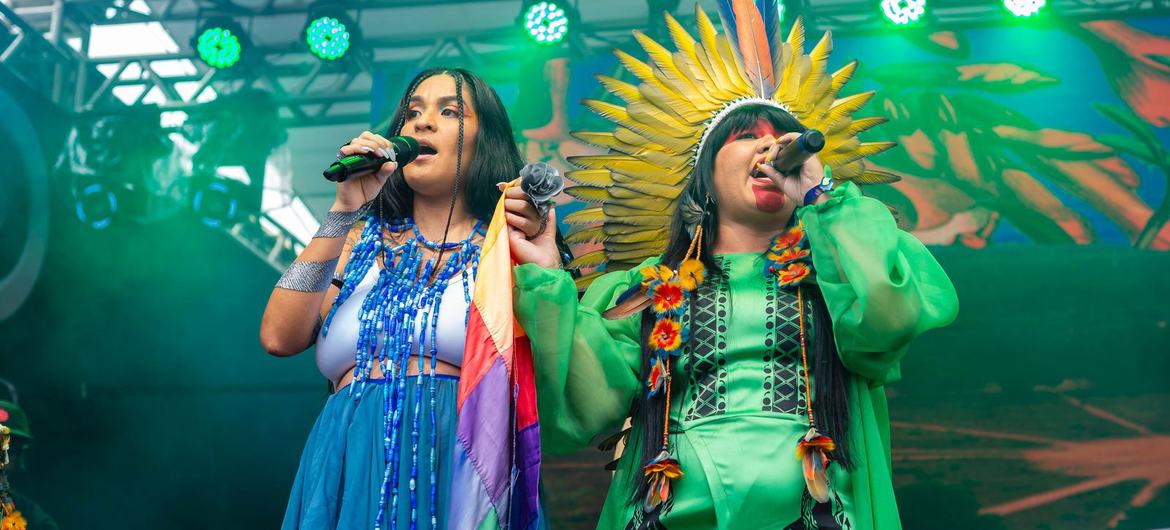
46,44
311,92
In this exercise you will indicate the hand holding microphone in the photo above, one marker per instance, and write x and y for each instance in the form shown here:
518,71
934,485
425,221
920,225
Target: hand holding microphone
788,164
792,154
364,164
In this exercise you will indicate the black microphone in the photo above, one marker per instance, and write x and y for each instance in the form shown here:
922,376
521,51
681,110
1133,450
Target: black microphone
403,150
793,155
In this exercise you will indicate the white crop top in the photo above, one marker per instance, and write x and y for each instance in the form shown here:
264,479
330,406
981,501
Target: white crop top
336,352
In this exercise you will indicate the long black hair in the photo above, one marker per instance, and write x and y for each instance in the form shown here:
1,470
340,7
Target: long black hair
496,157
831,396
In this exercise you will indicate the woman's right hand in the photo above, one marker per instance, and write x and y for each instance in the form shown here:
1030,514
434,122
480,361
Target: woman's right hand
355,192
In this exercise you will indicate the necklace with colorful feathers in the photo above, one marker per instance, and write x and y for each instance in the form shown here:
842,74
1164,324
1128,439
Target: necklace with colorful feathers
668,294
789,261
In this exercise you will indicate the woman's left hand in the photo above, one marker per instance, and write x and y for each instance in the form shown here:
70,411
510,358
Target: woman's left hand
530,243
795,185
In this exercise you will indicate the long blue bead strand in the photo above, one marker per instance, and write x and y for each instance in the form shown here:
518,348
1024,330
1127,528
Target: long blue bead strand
395,320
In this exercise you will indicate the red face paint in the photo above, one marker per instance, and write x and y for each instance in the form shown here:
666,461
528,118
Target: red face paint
761,129
768,197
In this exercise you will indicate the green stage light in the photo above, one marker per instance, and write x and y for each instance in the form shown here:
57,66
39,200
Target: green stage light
219,47
546,22
1024,8
327,37
903,12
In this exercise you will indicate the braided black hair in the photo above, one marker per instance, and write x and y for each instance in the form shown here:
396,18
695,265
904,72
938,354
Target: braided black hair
458,175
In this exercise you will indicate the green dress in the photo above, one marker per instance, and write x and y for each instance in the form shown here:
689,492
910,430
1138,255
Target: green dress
735,429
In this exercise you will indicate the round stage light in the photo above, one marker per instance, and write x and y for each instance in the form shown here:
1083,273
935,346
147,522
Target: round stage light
1024,8
327,37
546,22
96,205
219,47
903,12
216,204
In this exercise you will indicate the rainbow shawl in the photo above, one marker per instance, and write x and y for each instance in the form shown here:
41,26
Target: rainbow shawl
496,469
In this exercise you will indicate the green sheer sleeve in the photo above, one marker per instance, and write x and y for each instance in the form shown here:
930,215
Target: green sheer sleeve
881,285
586,366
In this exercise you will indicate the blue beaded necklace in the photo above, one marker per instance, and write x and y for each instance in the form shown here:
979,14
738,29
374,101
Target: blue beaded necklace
405,298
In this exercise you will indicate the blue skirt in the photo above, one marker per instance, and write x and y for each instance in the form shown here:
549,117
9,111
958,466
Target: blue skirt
342,470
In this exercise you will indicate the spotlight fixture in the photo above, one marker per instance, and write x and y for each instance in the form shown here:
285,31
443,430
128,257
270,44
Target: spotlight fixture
903,12
330,33
1024,8
546,21
221,42
95,204
216,200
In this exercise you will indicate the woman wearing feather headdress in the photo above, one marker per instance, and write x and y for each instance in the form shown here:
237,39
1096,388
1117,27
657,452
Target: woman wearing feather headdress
763,313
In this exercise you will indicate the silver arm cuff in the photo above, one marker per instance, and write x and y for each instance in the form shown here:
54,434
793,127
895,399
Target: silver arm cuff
308,276
337,224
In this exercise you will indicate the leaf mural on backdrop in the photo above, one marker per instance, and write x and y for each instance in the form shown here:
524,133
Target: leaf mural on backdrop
992,77
1147,149
947,43
1012,167
1136,64
962,158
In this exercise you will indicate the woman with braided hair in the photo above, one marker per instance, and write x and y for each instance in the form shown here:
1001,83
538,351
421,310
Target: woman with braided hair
383,291
764,312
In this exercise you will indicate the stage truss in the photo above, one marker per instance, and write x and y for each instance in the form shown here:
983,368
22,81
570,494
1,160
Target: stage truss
45,43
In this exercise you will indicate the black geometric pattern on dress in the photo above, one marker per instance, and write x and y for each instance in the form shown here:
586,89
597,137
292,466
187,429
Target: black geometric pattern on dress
783,372
635,518
706,349
652,520
839,512
818,516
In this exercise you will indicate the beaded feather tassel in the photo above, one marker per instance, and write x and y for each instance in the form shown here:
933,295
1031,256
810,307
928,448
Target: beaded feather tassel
789,262
667,293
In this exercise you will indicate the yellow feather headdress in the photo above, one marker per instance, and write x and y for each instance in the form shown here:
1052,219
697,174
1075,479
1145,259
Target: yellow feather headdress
680,96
